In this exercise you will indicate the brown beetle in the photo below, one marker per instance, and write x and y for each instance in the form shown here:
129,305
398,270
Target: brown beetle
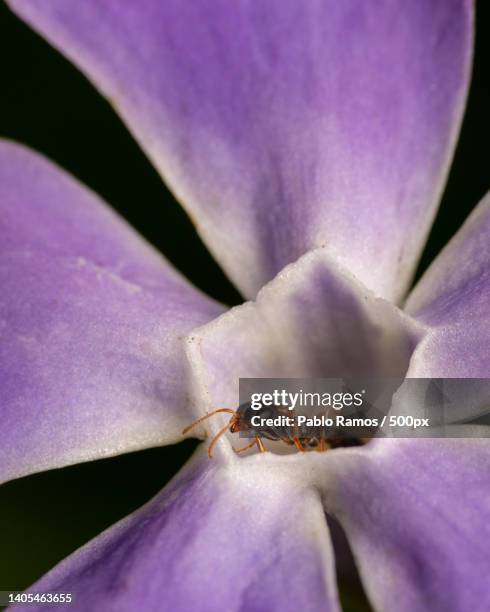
241,420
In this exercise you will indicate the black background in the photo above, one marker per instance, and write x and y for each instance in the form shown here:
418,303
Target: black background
47,104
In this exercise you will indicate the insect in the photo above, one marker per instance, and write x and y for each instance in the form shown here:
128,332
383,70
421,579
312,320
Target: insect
303,439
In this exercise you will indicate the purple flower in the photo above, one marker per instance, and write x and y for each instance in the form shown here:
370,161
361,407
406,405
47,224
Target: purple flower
310,142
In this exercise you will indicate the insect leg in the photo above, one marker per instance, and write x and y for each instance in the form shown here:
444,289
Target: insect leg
322,446
241,450
260,444
298,444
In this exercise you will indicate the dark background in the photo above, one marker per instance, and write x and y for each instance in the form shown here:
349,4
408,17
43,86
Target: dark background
47,104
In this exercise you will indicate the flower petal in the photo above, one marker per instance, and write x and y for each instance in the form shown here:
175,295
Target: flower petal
285,125
453,300
456,287
216,538
313,320
91,322
416,515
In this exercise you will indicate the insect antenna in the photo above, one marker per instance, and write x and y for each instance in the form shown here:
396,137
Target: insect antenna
215,439
220,432
206,416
